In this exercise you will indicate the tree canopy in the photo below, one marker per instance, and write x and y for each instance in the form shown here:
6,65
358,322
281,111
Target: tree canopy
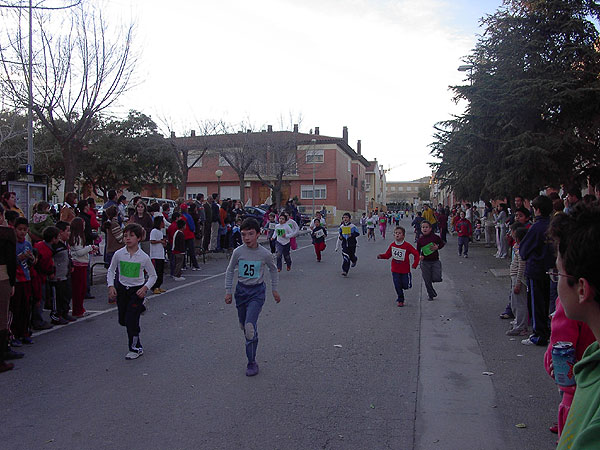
533,112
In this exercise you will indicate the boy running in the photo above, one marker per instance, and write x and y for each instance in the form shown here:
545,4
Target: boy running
400,252
348,234
130,289
250,260
431,266
318,234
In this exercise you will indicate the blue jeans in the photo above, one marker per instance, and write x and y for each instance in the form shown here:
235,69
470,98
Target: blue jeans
463,241
283,251
402,281
249,301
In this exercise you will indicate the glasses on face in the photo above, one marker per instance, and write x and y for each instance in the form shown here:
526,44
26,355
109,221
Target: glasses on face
554,275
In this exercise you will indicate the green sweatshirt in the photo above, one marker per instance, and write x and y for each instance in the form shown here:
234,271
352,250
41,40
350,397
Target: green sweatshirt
582,430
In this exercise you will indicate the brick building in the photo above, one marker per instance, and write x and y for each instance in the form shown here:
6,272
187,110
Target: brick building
339,170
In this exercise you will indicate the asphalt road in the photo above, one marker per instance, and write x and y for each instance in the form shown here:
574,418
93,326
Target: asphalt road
341,367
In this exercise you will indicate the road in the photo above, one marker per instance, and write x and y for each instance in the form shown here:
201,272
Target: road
341,367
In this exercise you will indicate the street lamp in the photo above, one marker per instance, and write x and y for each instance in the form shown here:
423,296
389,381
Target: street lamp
219,174
314,144
467,68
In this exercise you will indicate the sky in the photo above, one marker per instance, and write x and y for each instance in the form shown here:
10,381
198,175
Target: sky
380,67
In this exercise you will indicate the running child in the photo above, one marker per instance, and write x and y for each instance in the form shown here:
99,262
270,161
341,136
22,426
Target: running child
318,234
400,252
428,245
370,227
131,289
157,252
270,227
465,231
382,224
347,236
283,234
250,291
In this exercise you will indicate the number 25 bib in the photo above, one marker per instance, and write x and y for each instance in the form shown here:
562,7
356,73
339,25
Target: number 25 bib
248,269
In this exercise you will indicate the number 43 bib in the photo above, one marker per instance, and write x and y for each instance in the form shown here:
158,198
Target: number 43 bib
248,269
398,253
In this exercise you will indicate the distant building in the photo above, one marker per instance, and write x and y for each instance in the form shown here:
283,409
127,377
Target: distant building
375,187
398,192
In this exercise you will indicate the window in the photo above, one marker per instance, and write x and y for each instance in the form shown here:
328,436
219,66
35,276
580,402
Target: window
223,162
315,155
408,189
393,188
348,194
349,165
306,192
191,191
232,192
193,158
367,186
400,189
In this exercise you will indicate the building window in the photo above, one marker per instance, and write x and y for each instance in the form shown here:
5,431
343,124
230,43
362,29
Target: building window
192,191
194,159
223,162
408,189
393,188
349,165
315,156
306,192
348,194
400,189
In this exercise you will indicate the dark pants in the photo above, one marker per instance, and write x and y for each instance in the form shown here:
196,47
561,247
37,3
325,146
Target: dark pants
444,233
62,298
283,251
348,255
431,272
159,266
190,249
463,241
249,301
206,236
272,245
319,247
402,281
20,307
539,300
130,308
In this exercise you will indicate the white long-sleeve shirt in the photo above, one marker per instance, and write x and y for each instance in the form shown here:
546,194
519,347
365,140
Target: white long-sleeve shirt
131,269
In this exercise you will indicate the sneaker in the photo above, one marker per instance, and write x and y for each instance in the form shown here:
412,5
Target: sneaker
506,316
70,318
466,256
460,255
178,279
516,332
527,341
195,268
354,263
14,342
554,428
134,353
400,304
252,369
278,270
344,274
27,340
59,321
156,291
430,299
162,291
289,268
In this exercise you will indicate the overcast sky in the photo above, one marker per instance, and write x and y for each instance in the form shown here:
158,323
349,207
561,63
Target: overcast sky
380,67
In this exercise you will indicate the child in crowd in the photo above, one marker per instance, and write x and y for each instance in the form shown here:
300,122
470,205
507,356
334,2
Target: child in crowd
20,302
283,234
270,228
178,249
382,224
236,234
318,234
478,230
114,234
62,281
80,257
250,260
347,236
428,246
40,220
465,231
416,223
170,233
400,252
157,252
370,227
363,223
131,289
45,270
518,284
577,240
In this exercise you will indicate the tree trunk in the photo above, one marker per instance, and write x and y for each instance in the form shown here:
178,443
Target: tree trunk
242,189
69,159
183,184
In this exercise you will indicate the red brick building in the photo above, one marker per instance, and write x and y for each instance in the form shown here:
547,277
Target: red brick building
339,170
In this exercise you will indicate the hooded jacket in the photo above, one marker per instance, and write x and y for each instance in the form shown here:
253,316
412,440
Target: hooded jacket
536,249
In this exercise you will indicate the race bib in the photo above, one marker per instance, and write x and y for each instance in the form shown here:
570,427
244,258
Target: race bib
280,232
399,254
381,220
346,230
369,222
129,269
249,269
428,250
319,234
272,225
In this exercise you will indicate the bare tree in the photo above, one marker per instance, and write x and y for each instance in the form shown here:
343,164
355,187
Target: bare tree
80,67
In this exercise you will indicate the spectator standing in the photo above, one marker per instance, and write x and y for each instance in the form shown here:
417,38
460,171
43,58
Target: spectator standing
67,212
8,278
144,219
9,202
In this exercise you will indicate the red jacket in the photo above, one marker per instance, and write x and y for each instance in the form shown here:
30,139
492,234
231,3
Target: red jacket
463,228
400,255
45,263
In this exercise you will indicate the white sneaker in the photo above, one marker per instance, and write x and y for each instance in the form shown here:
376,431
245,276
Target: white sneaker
195,268
134,354
178,279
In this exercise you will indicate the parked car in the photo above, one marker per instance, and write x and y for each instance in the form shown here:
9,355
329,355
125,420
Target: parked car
255,212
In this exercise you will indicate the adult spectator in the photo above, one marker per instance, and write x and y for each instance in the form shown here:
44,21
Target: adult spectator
143,218
500,224
238,210
488,216
85,212
8,273
429,216
9,202
573,197
122,206
189,235
538,253
67,212
112,201
206,229
215,221
442,219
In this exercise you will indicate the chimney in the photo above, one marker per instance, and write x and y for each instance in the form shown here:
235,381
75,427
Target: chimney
358,147
248,131
345,134
316,130
193,133
172,135
269,128
295,128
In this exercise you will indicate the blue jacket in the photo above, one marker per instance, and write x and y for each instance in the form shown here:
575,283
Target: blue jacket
537,250
349,240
